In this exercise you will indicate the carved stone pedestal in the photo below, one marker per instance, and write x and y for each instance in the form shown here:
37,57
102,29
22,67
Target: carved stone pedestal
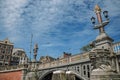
103,62
99,74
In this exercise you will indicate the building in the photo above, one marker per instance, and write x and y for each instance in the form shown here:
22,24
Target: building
19,57
65,55
45,59
116,47
6,48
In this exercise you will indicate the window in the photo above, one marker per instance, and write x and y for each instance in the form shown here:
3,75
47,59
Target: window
7,57
84,67
8,47
6,42
1,46
88,74
6,64
102,47
88,67
2,57
3,52
78,69
88,71
84,70
4,46
0,63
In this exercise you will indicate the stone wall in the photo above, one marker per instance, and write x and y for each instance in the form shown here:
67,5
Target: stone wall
11,75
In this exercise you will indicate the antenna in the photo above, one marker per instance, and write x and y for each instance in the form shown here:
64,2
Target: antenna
31,46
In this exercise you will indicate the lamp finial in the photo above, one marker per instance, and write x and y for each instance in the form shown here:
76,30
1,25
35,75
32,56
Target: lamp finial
97,8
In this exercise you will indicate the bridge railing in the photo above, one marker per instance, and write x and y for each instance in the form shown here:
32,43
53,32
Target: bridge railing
66,61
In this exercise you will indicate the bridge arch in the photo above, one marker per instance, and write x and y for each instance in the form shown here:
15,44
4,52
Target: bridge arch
47,75
77,75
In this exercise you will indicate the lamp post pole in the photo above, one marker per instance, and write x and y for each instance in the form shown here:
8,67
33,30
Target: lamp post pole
101,24
35,50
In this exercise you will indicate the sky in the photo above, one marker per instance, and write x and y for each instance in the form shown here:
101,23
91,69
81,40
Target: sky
57,26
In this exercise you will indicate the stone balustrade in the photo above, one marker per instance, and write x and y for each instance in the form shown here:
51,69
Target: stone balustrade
65,61
59,62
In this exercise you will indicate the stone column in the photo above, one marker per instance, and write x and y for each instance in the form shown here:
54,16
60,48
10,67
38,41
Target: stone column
103,70
70,75
59,75
117,65
24,73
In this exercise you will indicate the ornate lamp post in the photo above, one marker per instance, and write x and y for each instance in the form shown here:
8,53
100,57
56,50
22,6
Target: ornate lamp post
33,66
102,56
35,51
93,20
101,24
105,14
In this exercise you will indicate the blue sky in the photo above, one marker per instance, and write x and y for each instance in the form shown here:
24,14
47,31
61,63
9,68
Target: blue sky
57,25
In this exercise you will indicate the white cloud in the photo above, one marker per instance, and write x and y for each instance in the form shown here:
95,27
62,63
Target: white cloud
11,17
11,12
42,17
112,6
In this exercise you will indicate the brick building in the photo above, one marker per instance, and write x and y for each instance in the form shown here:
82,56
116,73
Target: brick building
6,48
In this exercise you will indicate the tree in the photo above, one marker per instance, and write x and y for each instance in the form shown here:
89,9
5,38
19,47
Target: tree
86,48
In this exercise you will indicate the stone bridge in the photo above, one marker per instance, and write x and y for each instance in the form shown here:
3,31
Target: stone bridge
78,64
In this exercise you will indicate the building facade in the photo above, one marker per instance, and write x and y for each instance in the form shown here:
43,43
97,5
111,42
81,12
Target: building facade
6,48
116,47
45,59
19,57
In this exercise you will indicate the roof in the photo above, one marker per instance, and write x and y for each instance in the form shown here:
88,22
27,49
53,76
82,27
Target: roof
6,41
17,49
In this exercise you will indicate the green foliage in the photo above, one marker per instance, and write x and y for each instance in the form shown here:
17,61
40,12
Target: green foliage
86,48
